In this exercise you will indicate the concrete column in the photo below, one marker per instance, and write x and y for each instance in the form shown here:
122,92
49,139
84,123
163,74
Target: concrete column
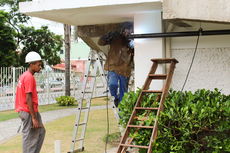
149,48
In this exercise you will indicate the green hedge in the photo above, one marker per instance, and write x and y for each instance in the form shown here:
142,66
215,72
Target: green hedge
200,122
65,100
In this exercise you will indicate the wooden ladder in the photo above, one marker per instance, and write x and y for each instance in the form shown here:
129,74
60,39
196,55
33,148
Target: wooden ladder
163,92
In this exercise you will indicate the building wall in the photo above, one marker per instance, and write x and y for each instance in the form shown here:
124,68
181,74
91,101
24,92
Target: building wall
77,49
211,65
206,10
148,48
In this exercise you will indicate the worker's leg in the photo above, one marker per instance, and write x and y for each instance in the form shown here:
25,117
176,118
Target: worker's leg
113,84
41,134
29,136
124,82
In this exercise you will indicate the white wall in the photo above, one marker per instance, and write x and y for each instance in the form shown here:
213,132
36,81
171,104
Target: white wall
211,65
147,49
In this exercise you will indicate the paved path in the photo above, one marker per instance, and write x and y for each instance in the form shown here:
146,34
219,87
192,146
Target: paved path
8,129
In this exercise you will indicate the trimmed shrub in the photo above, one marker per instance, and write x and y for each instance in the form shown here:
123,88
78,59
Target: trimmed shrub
200,122
65,100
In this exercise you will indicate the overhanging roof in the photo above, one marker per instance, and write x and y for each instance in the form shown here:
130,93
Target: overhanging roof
89,12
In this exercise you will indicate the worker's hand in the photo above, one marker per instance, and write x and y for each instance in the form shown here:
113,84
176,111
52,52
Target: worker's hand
35,124
113,34
131,44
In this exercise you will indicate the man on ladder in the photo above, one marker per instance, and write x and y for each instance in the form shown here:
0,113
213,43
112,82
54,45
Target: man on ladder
119,62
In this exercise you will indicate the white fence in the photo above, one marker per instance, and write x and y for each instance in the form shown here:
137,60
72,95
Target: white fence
50,85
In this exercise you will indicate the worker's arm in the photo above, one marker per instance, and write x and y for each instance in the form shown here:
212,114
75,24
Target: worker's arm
31,108
106,39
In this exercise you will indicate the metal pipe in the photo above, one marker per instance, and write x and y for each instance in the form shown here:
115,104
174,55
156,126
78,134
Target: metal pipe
180,34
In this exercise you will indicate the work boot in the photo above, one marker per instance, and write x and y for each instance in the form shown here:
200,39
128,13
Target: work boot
116,102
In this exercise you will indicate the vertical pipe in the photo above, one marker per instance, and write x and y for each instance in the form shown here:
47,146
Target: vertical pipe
48,91
74,82
168,46
14,87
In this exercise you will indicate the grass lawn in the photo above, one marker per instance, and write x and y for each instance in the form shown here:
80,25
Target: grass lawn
62,129
10,114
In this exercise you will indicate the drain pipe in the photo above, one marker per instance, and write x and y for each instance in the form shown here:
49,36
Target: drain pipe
168,46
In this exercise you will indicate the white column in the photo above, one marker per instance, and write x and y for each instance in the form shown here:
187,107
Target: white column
148,48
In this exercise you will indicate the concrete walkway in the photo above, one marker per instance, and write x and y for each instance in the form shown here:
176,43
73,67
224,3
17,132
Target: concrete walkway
8,129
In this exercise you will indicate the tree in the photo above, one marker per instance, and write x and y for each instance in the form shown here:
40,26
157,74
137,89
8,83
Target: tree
27,39
67,31
43,41
7,42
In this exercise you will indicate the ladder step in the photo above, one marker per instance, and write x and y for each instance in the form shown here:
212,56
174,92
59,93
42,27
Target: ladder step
158,76
164,60
137,126
83,123
139,119
94,59
85,108
146,108
79,139
152,91
134,146
92,76
87,92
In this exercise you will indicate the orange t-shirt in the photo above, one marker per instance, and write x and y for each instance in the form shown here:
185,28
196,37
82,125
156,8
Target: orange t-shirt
26,84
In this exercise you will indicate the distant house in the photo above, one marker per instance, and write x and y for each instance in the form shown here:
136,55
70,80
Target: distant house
78,50
78,55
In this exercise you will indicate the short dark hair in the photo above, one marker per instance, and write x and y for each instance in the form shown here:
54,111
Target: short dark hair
33,62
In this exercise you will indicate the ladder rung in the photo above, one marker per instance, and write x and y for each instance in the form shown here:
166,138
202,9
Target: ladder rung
137,126
85,108
100,59
92,76
83,123
92,59
134,146
158,76
88,92
139,119
79,139
164,60
147,108
152,91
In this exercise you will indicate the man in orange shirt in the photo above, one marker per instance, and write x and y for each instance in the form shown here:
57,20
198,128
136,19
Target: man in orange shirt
26,103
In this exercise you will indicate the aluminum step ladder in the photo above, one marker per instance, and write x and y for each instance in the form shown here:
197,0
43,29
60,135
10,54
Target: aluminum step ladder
94,60
163,93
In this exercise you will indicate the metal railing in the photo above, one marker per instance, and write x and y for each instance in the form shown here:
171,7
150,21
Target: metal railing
50,85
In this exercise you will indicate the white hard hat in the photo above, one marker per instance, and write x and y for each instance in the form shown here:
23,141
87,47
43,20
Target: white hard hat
33,57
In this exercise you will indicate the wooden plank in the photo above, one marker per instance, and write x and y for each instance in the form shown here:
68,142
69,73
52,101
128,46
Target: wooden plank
164,60
143,118
134,146
167,86
153,137
138,126
152,91
147,108
157,76
148,80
